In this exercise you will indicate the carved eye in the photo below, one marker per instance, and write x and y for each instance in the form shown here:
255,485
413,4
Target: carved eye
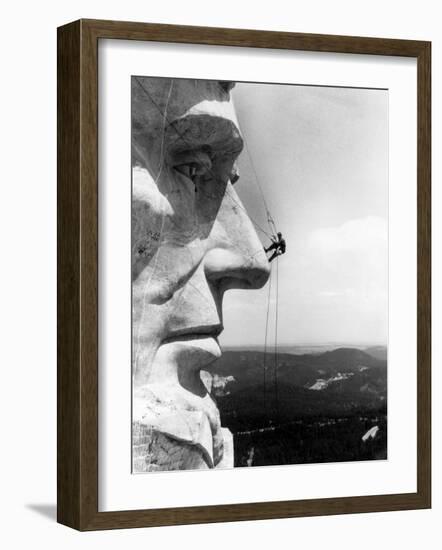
190,170
192,164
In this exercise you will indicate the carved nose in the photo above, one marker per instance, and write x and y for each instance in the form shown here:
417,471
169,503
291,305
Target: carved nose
229,269
235,257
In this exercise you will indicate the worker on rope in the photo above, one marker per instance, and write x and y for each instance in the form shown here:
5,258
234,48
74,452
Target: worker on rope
278,245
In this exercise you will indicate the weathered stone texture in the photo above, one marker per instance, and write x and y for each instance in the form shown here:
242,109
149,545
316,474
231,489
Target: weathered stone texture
154,451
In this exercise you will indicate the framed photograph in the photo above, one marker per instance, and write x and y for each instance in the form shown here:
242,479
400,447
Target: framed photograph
243,274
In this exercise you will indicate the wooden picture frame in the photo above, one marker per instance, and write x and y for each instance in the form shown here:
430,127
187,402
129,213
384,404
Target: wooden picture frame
77,225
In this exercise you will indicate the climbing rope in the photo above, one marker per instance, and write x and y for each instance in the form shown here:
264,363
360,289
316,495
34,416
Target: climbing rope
276,339
270,220
267,381
273,230
265,340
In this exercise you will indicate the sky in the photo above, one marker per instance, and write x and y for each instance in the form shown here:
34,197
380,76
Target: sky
321,157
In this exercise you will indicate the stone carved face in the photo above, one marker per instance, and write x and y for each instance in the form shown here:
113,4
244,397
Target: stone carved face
191,241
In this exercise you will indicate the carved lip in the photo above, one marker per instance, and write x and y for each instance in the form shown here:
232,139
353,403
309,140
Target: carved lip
194,333
196,347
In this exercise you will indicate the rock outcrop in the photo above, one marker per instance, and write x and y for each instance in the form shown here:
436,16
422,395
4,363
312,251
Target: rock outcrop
154,451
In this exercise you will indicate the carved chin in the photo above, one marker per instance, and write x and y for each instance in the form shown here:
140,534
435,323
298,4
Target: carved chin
175,430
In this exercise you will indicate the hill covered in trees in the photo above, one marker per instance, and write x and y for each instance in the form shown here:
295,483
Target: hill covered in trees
286,408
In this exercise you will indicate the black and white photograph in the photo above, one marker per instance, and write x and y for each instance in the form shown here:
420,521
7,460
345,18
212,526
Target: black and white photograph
259,274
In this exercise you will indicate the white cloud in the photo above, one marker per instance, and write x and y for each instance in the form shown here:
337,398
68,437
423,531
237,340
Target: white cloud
368,235
342,285
349,260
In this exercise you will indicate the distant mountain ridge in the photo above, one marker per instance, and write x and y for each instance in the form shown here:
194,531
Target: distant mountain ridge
313,349
379,352
288,408
334,382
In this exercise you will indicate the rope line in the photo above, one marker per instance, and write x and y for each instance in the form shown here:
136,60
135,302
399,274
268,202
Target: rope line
270,220
255,173
276,339
265,340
